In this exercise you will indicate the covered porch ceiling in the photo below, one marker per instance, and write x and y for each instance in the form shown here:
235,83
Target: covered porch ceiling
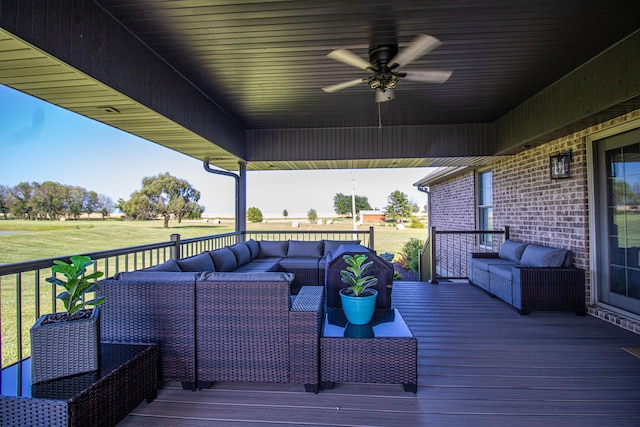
240,81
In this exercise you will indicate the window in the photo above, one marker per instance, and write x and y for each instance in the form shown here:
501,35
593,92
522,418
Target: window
485,206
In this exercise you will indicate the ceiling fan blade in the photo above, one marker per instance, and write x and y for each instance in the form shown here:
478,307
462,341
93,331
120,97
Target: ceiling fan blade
418,47
347,57
384,96
343,85
428,76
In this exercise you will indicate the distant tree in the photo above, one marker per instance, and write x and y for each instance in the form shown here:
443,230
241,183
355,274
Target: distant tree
22,206
415,208
105,205
254,215
312,215
398,206
91,203
342,204
5,200
162,195
285,213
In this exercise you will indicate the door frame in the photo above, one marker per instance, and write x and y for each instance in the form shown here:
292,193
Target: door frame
592,191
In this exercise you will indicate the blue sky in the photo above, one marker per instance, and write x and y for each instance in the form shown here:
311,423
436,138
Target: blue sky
41,142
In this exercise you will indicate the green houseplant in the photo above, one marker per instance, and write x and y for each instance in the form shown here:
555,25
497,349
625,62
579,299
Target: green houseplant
68,343
358,298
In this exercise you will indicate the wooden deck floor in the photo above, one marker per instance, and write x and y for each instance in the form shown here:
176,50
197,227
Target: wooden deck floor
480,364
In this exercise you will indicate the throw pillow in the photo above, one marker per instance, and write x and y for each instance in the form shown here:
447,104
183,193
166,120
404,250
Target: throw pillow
241,251
224,259
169,265
270,249
512,250
299,248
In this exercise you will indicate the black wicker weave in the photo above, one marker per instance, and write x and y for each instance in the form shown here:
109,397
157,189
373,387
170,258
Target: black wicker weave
365,358
246,330
127,376
154,311
549,289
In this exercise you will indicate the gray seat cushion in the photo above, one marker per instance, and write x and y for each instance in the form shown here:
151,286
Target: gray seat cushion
501,270
157,276
543,256
246,277
258,265
299,263
484,263
200,262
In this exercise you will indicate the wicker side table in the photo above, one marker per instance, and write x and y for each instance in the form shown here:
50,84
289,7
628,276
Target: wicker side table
384,351
127,375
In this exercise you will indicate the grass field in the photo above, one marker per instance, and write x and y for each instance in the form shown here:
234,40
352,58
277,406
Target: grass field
31,240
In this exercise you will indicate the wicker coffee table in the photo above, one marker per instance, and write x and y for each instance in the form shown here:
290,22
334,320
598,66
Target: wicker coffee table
384,351
127,376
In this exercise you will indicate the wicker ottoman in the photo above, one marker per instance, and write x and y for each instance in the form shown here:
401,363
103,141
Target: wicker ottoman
384,351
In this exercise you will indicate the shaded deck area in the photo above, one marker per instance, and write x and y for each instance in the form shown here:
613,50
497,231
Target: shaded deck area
480,364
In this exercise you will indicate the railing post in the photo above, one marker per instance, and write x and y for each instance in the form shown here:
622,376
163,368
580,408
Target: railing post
371,245
175,249
507,232
434,279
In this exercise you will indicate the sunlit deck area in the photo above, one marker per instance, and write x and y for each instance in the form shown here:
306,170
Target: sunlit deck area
479,364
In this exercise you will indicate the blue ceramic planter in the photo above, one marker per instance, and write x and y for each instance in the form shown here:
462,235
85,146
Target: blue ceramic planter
359,310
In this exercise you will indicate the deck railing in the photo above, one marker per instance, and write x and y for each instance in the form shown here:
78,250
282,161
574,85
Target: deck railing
25,294
445,254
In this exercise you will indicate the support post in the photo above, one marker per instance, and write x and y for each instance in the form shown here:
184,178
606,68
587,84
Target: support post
175,249
241,201
432,239
371,241
507,232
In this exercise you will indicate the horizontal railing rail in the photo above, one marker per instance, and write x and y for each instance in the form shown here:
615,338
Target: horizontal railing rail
445,254
25,293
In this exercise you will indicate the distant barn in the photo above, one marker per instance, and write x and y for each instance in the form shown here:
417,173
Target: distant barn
372,216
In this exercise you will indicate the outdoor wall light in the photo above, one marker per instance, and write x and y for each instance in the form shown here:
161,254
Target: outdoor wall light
560,165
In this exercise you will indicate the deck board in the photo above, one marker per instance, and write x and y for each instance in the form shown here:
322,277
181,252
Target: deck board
479,363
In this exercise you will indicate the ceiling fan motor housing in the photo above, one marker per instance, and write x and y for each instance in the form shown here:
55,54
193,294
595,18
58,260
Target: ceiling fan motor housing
379,56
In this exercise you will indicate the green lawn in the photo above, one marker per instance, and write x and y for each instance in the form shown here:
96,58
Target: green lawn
28,240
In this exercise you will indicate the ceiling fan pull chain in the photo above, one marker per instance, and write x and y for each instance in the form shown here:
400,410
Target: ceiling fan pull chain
379,117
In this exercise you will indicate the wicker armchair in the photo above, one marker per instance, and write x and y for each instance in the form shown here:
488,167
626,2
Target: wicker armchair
247,329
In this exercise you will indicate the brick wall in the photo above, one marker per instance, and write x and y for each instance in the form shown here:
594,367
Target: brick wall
453,204
538,209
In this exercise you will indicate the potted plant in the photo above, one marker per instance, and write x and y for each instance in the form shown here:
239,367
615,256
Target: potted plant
68,343
358,299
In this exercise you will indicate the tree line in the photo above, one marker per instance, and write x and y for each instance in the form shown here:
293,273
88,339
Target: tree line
51,200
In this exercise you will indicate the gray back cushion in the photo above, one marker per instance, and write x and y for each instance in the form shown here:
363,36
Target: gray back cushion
242,253
273,248
299,248
169,265
254,248
543,256
224,259
512,250
201,262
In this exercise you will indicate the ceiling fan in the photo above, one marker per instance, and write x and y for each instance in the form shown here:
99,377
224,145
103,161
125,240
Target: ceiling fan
385,63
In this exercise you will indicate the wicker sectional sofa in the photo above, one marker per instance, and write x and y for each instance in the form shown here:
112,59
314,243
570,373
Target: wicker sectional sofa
530,277
305,259
215,326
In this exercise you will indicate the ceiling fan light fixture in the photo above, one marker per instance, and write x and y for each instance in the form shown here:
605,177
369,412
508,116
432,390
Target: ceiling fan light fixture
383,81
